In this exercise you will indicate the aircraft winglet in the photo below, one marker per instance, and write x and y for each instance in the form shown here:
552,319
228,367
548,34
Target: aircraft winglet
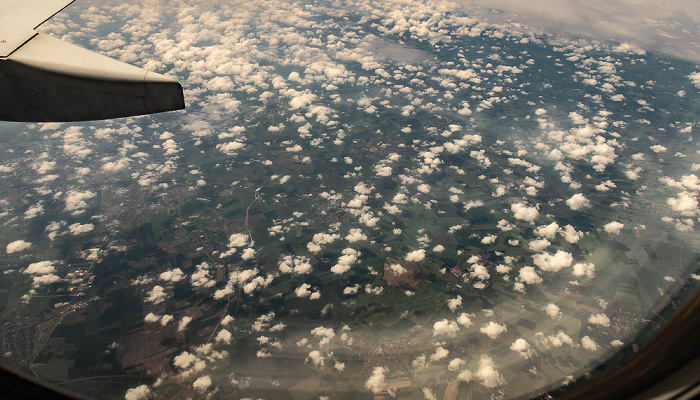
44,79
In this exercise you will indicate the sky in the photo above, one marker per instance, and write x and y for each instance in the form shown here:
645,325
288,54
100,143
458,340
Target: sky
671,27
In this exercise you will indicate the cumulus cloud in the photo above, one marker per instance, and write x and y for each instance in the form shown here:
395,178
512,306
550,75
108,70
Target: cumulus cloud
355,235
397,269
529,275
77,228
524,213
478,271
202,383
248,254
141,392
589,344
319,239
303,290
428,394
657,148
613,227
557,340
552,310
416,255
238,240
165,319
695,78
553,262
489,239
174,275
455,303
17,246
40,268
539,244
578,202
493,329
345,261
76,201
316,358
583,269
522,347
487,373
445,328
547,231
295,265
440,354
34,211
157,295
45,279
202,277
455,364
570,234
685,203
599,319
464,320
183,323
376,382
224,336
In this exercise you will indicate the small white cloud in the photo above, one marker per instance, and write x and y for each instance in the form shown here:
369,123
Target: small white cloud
440,354
238,240
45,279
489,239
157,295
150,317
17,245
202,383
416,255
529,275
657,148
493,329
539,244
522,347
428,394
77,228
547,231
445,328
183,323
454,304
174,275
464,320
578,202
523,212
589,344
141,392
487,373
355,235
685,203
376,382
583,269
553,262
599,319
552,310
316,358
613,227
455,364
40,268
303,290
224,336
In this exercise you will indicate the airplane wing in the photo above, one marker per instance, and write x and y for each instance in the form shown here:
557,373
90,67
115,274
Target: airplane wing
43,79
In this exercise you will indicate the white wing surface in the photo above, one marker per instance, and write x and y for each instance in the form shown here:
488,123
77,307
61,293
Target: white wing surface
19,18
